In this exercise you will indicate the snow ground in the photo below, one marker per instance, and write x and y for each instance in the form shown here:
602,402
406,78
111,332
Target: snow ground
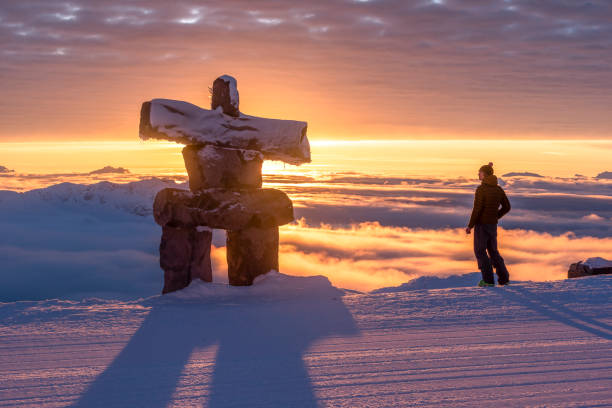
285,342
299,342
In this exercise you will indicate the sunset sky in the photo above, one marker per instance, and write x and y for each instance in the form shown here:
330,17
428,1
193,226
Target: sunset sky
328,243
79,70
404,100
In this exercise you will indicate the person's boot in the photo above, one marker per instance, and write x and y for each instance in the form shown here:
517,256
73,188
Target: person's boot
484,284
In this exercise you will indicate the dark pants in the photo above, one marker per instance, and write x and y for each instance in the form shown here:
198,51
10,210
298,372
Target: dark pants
485,240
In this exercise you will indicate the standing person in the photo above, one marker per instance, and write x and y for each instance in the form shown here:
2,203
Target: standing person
490,204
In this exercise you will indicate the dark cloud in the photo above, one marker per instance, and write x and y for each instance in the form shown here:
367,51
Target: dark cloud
4,170
448,67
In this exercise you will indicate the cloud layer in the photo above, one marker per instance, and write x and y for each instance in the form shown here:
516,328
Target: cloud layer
556,205
369,256
581,205
74,240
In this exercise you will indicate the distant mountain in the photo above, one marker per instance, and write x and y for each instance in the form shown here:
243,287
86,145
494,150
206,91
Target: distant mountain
522,174
607,175
110,170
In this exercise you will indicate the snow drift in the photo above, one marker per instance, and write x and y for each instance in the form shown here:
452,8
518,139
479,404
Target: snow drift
434,282
273,285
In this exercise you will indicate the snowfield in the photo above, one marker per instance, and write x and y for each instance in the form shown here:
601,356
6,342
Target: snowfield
300,342
287,341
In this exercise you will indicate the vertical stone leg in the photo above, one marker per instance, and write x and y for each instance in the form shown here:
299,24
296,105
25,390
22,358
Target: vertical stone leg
251,252
184,255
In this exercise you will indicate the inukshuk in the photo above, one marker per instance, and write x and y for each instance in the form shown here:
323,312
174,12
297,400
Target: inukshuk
223,155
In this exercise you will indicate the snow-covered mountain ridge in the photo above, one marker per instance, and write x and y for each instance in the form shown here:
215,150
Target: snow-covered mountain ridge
134,198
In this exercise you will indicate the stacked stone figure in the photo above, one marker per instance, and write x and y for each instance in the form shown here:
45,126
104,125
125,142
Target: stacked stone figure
223,156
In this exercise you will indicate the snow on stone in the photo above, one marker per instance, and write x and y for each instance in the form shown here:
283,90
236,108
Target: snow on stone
208,153
251,154
598,262
233,90
186,123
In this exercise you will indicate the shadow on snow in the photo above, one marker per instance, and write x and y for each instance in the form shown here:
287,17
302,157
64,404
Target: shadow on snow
259,357
558,312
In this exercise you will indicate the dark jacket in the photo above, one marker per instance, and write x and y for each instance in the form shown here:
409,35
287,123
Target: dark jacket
489,197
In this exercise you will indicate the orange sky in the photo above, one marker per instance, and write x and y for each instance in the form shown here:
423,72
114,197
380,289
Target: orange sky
352,69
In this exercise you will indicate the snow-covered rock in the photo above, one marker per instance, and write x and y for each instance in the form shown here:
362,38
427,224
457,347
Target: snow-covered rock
223,209
233,89
183,122
598,262
592,266
225,94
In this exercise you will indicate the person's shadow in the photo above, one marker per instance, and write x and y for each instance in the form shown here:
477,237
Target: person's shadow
259,362
557,311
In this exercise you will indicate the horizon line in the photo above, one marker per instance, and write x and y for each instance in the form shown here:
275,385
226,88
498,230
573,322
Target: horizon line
312,142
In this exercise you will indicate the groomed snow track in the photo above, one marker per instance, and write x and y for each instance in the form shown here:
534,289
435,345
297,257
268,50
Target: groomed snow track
530,344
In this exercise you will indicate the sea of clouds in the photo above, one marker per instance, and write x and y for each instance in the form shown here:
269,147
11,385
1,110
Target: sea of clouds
80,240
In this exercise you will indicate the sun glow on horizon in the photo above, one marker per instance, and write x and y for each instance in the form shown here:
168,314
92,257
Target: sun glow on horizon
397,158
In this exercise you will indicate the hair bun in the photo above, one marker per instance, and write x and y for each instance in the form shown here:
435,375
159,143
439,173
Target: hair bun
491,164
